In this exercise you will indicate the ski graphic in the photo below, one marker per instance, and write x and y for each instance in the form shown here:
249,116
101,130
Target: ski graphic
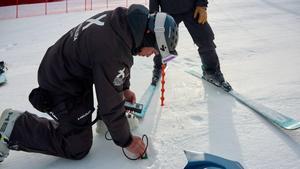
146,100
201,160
271,115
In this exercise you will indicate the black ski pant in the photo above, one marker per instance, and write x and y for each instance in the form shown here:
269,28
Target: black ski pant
69,137
202,36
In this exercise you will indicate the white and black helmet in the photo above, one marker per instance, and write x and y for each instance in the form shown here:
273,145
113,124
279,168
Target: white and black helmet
163,33
166,34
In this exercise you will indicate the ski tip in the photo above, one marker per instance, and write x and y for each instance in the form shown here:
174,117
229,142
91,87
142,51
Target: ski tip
294,126
193,156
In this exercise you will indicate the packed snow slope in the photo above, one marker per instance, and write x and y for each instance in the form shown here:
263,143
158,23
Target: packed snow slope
258,45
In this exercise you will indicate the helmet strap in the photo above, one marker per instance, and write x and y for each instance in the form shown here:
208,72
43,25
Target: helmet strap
159,30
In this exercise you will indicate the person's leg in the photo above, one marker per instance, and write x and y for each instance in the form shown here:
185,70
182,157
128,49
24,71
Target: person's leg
63,138
36,134
203,37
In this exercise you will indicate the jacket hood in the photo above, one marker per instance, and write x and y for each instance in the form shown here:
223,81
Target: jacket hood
137,18
119,24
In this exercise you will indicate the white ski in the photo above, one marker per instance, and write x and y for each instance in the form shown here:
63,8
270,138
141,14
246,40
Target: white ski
271,115
145,101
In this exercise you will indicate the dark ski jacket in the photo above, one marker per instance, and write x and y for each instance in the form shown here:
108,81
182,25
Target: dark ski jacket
97,52
175,6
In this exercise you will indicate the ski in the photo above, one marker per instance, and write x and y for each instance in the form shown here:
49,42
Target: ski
201,160
145,101
269,114
146,98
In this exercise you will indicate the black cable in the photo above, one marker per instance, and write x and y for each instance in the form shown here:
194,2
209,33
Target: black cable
106,137
142,155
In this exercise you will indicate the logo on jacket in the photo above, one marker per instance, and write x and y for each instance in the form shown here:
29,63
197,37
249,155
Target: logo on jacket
94,21
89,23
120,78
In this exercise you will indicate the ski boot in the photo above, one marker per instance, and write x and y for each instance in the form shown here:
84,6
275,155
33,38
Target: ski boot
217,79
7,122
101,128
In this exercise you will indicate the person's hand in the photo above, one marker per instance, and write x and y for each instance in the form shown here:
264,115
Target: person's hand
201,11
137,146
129,96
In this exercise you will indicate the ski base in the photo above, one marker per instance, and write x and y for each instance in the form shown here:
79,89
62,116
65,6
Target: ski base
273,116
201,160
145,101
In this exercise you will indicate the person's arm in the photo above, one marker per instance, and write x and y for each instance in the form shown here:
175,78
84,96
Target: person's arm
126,84
128,94
108,77
111,107
112,111
154,6
202,3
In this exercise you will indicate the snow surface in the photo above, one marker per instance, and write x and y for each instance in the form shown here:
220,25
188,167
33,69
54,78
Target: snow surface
258,45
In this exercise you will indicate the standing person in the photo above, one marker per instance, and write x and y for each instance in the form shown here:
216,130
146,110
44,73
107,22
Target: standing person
194,16
96,52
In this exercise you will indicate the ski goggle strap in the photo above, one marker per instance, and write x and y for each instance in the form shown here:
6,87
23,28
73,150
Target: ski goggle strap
159,30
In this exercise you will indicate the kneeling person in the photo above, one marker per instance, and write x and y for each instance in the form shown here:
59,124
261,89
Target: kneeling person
97,52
